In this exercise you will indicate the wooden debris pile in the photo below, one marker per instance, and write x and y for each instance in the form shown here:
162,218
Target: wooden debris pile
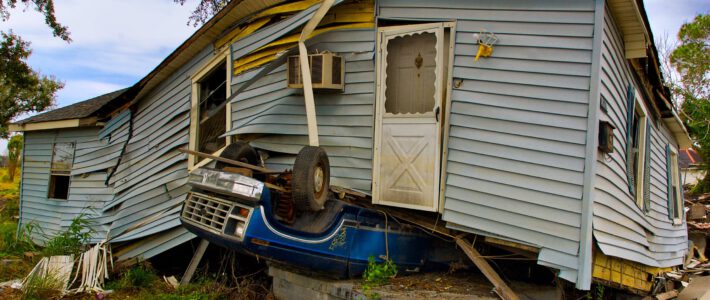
697,209
697,263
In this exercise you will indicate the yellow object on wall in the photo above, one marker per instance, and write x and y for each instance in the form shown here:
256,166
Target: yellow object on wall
623,273
484,50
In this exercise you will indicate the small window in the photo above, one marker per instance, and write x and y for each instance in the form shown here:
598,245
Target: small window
675,195
60,170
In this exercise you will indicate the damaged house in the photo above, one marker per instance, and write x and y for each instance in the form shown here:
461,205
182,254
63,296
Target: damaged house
544,124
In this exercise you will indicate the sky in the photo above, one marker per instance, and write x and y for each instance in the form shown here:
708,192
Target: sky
117,42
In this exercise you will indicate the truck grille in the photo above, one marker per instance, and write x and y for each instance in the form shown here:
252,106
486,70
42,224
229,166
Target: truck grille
206,211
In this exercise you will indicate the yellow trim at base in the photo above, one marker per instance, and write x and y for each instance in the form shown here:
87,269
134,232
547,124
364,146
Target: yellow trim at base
624,273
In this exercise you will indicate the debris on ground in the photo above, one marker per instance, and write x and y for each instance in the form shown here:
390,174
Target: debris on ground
698,288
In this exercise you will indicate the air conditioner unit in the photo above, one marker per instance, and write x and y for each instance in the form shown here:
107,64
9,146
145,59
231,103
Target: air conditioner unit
327,71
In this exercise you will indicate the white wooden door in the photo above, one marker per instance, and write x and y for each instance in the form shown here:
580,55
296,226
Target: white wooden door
407,124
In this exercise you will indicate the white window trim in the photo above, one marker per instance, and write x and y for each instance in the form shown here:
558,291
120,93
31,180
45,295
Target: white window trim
643,112
194,115
675,177
53,172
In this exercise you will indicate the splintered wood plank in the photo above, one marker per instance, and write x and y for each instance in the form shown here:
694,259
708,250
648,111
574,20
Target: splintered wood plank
501,288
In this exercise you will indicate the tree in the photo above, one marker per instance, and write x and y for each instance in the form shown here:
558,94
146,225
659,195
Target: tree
14,156
691,60
204,10
22,89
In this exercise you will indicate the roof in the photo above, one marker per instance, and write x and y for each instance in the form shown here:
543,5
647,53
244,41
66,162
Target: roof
77,110
688,158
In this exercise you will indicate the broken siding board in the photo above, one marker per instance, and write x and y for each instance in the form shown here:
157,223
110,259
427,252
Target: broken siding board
177,171
271,33
662,239
147,151
155,245
116,122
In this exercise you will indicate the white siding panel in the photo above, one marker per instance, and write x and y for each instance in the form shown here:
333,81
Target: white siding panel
621,228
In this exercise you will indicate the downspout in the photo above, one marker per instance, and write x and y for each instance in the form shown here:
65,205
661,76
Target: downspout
586,243
306,71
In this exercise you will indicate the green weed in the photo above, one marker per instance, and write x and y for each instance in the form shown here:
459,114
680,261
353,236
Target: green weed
13,243
42,287
138,277
377,274
73,240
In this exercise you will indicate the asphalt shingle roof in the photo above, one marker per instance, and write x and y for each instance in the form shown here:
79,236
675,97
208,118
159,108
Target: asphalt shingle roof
77,110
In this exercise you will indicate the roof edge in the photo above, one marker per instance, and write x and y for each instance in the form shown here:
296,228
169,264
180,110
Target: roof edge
49,125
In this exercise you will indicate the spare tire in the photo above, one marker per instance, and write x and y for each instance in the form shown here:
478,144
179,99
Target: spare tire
311,179
240,151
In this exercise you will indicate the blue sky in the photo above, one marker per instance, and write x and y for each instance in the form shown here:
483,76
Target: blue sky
117,42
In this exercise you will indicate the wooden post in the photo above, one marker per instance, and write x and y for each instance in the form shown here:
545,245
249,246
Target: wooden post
306,71
194,262
501,288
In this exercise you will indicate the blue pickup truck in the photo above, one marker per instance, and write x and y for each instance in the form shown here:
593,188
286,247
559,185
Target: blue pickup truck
290,218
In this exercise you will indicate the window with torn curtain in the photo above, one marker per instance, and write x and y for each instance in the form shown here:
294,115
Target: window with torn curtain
60,171
210,109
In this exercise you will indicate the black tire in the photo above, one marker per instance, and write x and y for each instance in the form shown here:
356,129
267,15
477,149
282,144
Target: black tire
239,151
310,184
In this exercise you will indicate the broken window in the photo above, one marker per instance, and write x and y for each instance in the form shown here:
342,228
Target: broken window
212,110
60,170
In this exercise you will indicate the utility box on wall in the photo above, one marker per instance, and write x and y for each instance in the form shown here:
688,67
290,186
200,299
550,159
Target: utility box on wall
606,137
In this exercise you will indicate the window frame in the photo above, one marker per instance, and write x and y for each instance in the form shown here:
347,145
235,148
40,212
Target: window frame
639,171
674,172
197,77
53,173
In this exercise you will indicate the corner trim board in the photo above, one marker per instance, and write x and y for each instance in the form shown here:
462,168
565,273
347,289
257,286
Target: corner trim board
584,269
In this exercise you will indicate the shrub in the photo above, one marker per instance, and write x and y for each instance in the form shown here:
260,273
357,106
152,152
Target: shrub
71,241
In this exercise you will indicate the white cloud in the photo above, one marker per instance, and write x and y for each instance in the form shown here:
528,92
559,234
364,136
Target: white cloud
115,43
85,89
666,16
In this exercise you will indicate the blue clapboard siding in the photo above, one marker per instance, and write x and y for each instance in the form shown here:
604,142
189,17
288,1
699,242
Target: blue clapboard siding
277,114
518,121
150,183
128,177
621,228
87,192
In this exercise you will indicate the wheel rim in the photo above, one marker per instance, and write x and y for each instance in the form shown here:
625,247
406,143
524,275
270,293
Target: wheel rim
318,179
